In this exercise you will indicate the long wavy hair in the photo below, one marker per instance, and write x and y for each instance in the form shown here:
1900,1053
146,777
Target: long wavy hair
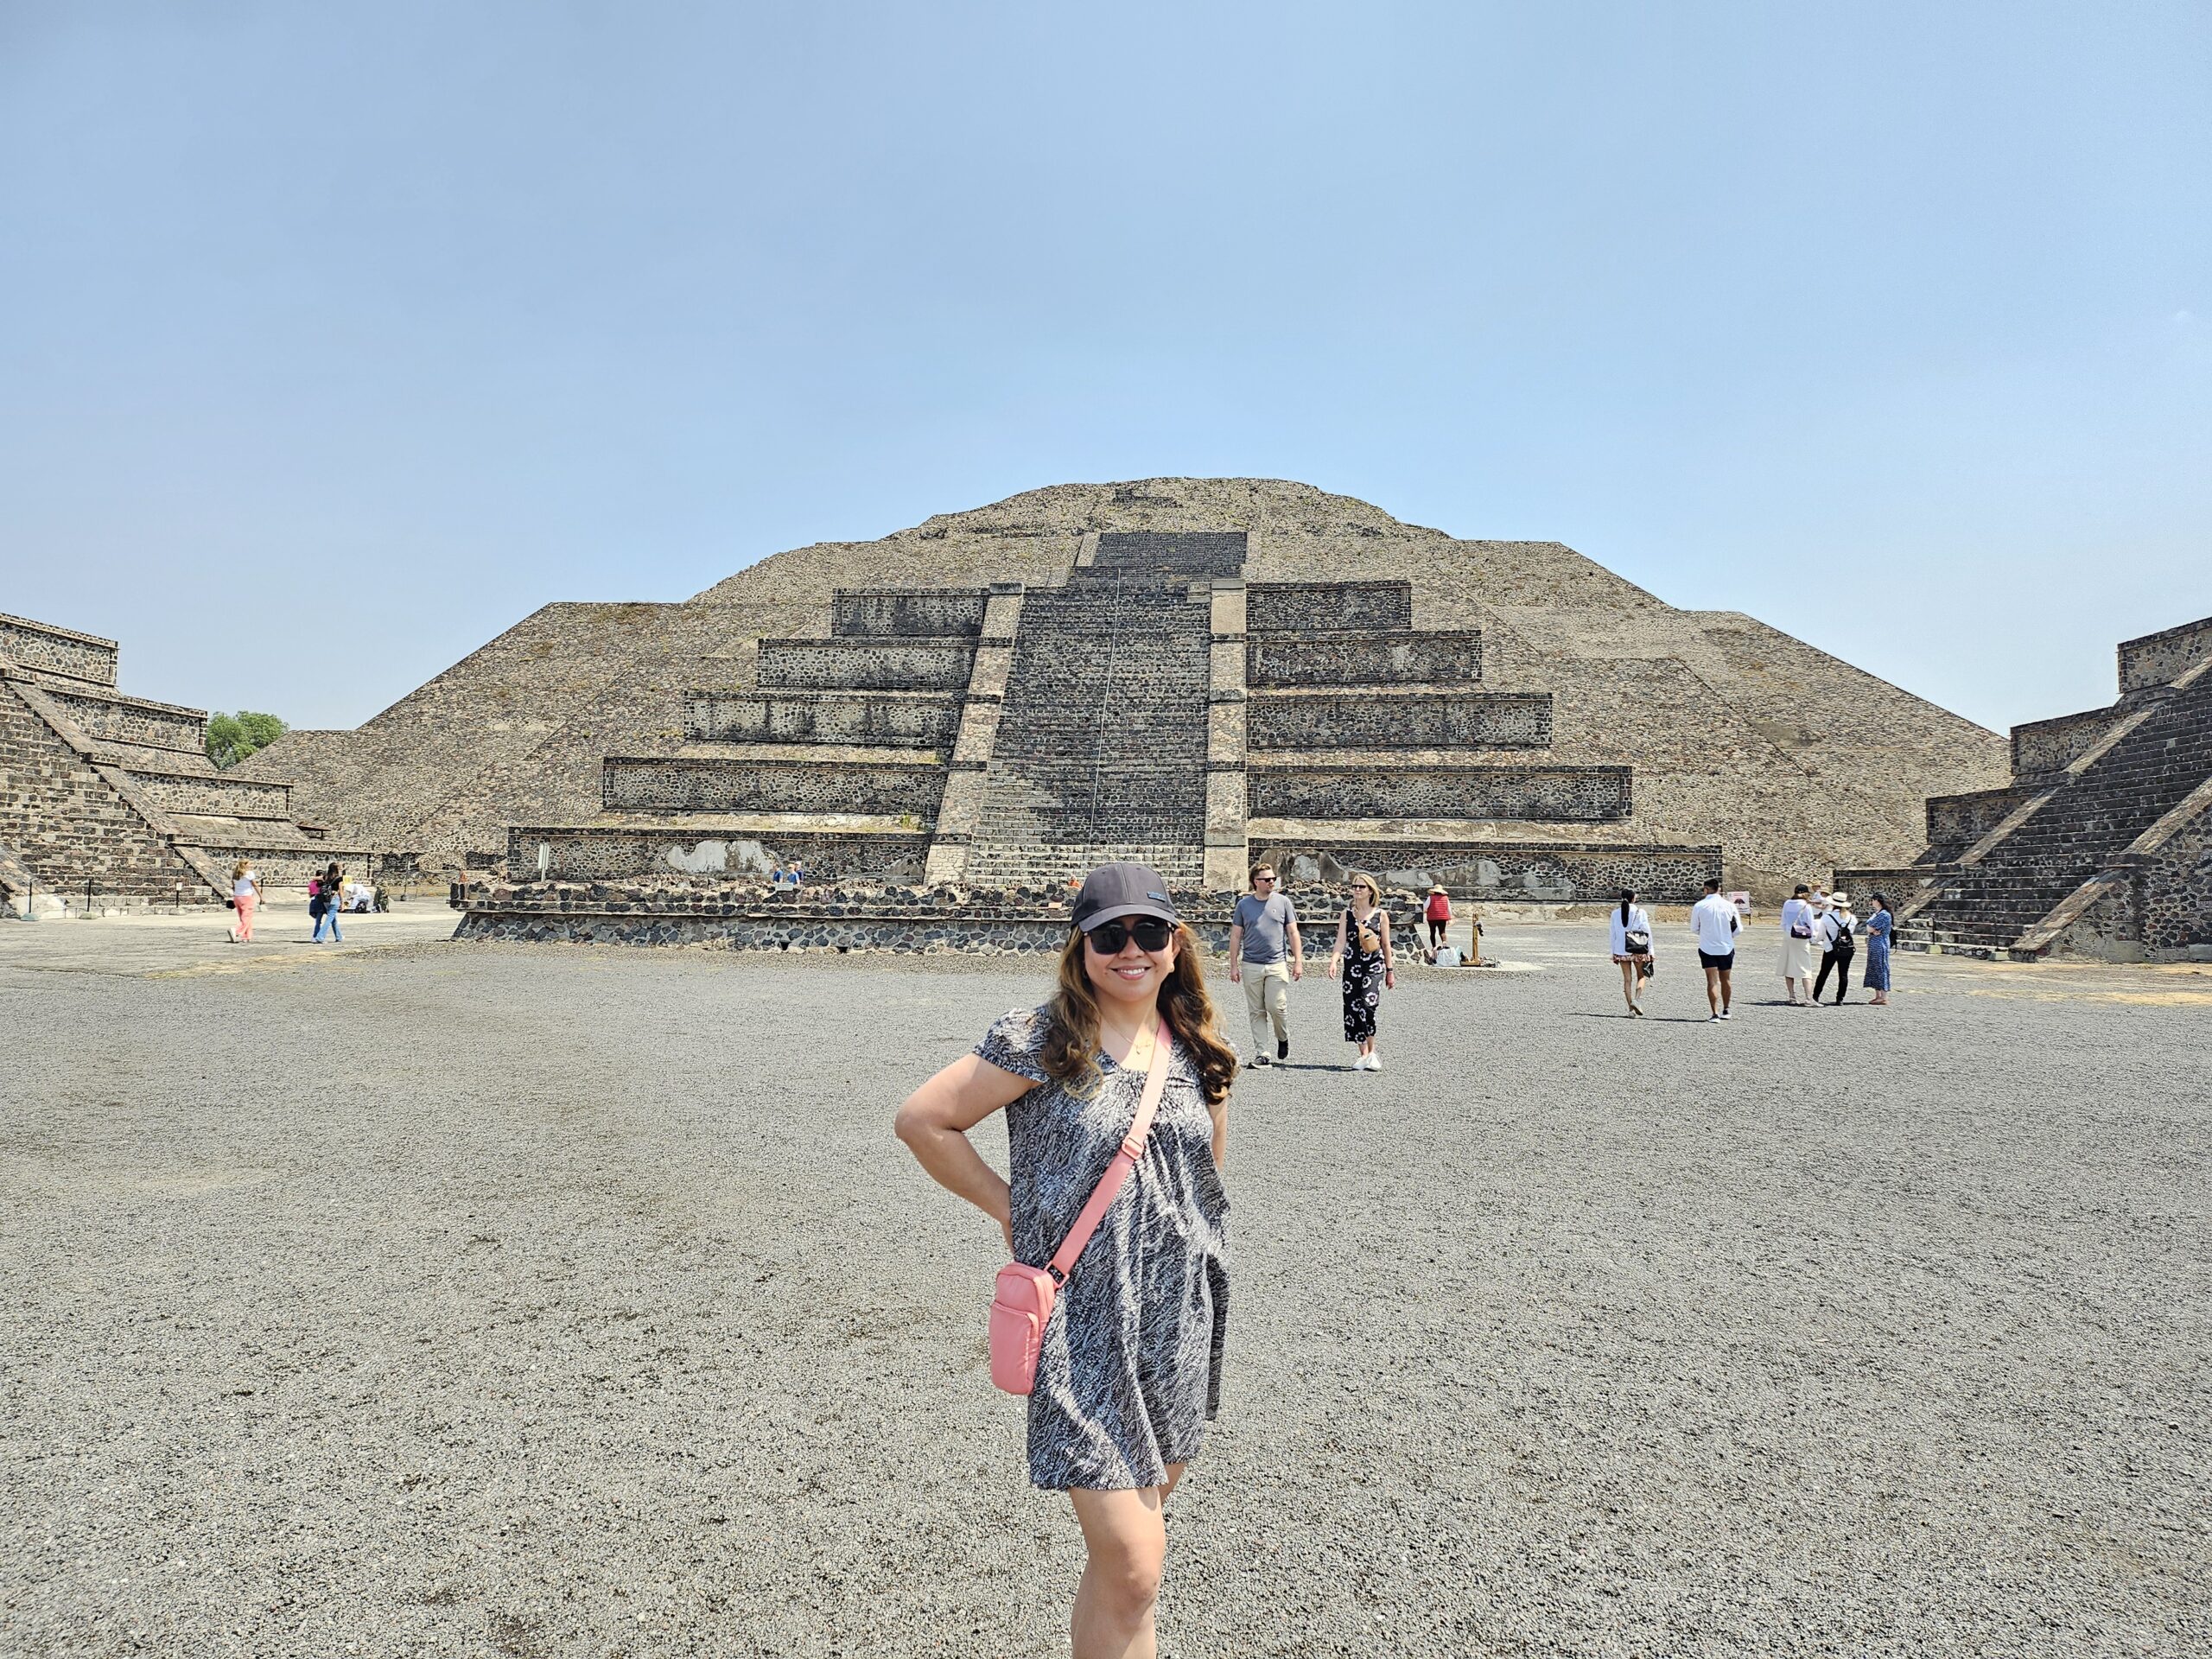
1069,1051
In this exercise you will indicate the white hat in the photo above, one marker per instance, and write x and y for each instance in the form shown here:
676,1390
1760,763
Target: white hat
1841,899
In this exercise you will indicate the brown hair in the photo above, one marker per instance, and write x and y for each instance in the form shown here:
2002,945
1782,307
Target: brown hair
1069,1050
1253,879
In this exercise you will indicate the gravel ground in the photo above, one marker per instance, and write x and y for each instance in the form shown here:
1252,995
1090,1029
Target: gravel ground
438,1299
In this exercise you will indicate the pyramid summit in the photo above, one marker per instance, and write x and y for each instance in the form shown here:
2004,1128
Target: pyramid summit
1193,671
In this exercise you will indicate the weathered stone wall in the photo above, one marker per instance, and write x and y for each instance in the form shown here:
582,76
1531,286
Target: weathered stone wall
2173,893
135,720
1365,720
70,824
881,719
1505,871
2042,747
1328,607
2163,658
1545,794
878,612
1896,884
57,651
219,794
626,853
861,665
1326,659
1201,553
1956,821
670,784
296,867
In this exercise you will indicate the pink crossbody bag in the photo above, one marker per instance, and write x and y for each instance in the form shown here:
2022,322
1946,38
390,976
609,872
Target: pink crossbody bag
1022,1300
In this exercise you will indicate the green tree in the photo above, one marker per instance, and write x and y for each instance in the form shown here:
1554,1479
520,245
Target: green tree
230,738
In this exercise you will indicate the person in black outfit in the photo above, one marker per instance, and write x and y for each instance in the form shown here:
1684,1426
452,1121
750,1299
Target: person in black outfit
1837,930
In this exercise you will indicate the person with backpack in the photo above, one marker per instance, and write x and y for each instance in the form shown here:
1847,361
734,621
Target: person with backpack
1363,960
1838,928
1122,1069
1631,929
324,897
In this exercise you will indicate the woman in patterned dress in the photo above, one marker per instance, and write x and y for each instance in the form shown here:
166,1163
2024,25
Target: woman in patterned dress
1880,926
1129,1369
1366,973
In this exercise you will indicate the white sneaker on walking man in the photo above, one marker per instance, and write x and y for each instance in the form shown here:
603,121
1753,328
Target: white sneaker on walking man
1716,923
1265,955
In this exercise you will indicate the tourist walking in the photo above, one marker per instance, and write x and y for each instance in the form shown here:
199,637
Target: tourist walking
1128,1361
245,893
1438,913
1363,959
324,907
1838,928
1265,955
1714,921
1797,920
1631,930
1880,926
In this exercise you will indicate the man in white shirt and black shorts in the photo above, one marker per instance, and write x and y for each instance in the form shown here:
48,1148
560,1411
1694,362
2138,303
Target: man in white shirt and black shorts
1715,920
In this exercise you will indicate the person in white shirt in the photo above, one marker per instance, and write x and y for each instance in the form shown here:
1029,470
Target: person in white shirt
1797,931
1632,925
1715,920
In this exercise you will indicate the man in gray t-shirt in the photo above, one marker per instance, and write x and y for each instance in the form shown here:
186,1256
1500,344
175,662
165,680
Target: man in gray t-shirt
1265,954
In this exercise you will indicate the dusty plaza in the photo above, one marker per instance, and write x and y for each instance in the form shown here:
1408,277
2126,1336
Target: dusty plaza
428,1298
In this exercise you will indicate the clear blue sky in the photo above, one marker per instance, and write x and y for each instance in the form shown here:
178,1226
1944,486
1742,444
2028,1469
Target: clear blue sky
334,338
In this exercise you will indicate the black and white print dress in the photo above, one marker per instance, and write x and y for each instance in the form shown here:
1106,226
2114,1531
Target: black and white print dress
1363,978
1129,1373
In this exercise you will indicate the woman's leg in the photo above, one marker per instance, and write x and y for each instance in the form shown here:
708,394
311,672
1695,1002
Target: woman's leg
1628,983
245,919
336,937
1128,1545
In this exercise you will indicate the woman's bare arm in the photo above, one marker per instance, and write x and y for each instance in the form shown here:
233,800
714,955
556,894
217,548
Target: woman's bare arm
934,1123
1219,1109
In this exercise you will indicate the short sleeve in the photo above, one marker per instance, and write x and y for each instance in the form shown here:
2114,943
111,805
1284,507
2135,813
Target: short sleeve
1011,1042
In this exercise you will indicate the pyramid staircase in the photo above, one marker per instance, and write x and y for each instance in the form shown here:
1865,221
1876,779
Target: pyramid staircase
114,796
2102,843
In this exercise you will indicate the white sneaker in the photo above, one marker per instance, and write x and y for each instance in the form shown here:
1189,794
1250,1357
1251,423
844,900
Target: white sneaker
1375,1062
1361,1064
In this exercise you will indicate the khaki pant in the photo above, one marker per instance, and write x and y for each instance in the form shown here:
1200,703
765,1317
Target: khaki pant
1266,1000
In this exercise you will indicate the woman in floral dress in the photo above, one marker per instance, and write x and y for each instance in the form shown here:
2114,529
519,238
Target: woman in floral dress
1363,960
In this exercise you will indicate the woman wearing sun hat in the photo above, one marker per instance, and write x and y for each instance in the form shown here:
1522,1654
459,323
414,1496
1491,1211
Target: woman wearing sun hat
1129,1365
1438,913
1837,930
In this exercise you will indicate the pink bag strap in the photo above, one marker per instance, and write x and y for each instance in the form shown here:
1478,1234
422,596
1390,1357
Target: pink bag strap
1109,1184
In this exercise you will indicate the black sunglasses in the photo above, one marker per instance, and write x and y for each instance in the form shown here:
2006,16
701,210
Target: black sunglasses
1149,932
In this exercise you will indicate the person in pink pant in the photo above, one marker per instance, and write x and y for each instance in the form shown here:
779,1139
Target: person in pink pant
245,893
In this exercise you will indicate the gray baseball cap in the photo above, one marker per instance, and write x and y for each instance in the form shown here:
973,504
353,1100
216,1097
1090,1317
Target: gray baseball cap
1114,890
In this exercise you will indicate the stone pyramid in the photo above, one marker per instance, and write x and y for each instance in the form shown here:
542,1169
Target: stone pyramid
1193,671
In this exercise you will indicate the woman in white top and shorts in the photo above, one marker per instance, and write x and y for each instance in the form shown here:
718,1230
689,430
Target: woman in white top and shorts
1633,949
